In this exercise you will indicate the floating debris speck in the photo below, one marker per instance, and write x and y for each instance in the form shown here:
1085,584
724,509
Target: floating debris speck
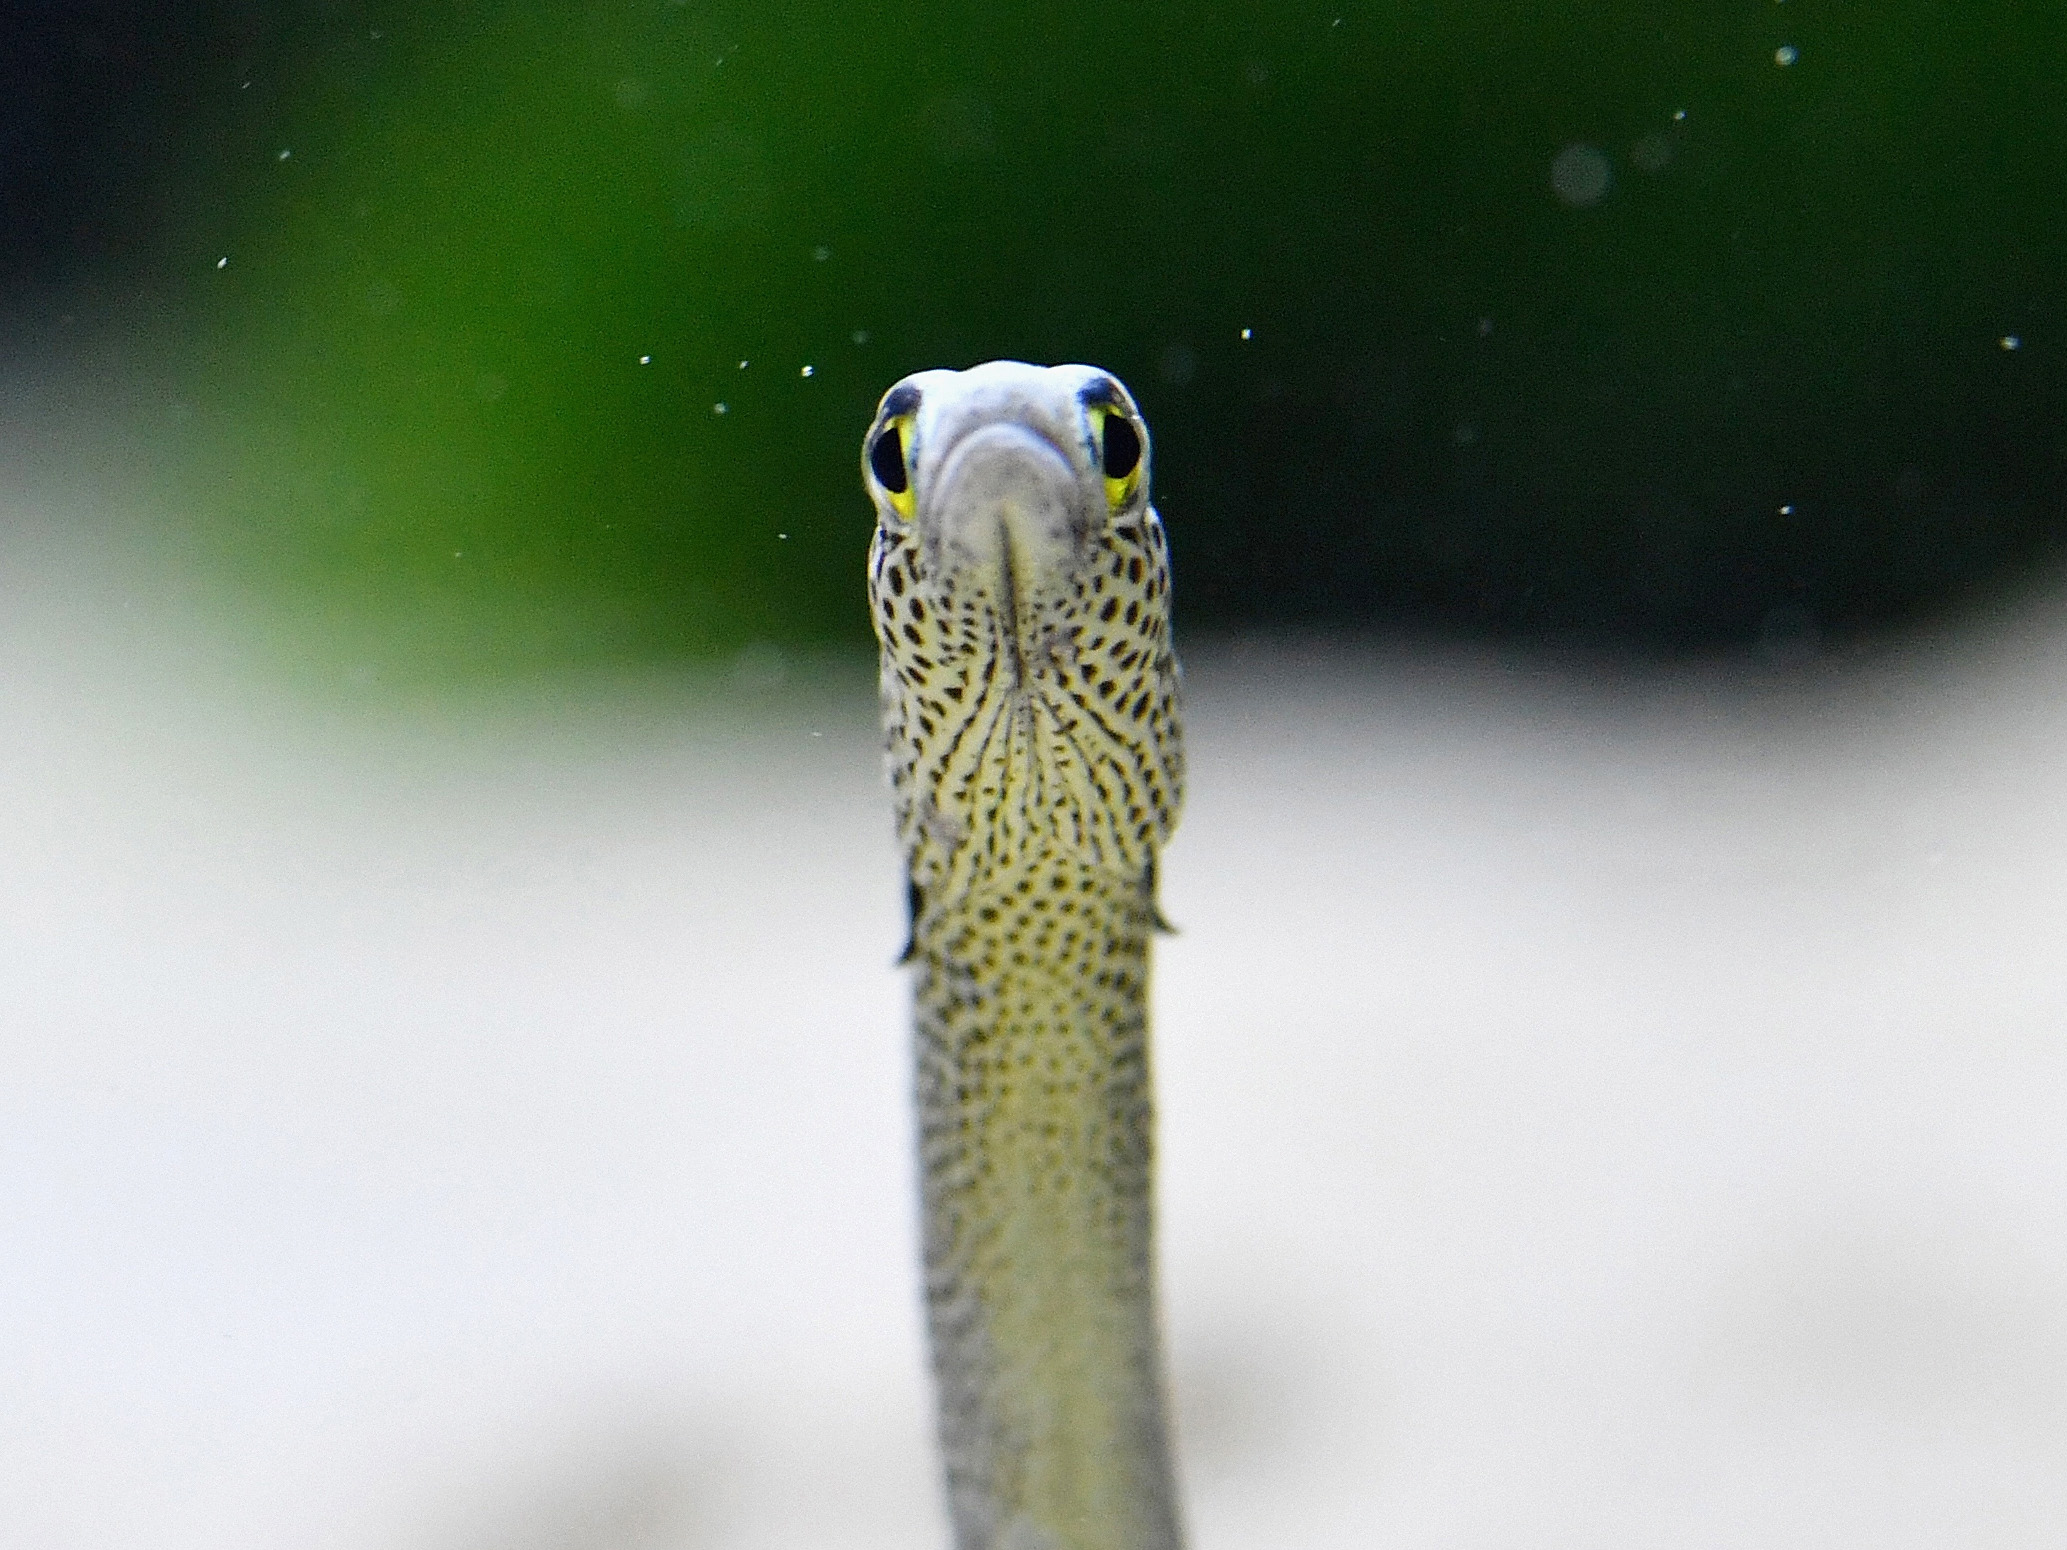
1786,54
1580,176
645,360
719,408
807,371
2011,342
1248,333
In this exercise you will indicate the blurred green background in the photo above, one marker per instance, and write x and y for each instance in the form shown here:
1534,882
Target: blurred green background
489,337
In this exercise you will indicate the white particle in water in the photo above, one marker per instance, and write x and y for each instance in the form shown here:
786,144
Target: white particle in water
284,154
742,365
1786,54
1787,510
2011,342
1246,333
1580,175
1679,115
782,535
861,336
645,360
807,371
820,254
719,408
222,263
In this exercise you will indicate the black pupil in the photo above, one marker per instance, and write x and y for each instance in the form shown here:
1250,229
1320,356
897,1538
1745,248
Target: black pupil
1122,446
886,459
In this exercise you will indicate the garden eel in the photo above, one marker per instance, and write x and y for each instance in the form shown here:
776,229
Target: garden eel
1020,586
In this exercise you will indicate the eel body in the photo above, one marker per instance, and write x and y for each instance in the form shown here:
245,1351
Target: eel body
1019,583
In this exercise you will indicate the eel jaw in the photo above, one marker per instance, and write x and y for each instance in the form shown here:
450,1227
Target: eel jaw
1007,515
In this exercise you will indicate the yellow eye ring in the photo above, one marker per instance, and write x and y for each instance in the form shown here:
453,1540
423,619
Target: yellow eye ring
887,458
1121,453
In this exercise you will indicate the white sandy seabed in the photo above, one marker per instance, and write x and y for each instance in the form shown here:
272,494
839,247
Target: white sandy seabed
1596,1113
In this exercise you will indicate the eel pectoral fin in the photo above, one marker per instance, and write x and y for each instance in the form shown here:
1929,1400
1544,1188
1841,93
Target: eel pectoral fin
1156,920
914,902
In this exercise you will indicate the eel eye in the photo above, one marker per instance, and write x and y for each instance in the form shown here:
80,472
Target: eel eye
1122,450
886,459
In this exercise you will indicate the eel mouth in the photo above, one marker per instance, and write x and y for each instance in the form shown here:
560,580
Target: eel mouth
1005,493
1007,515
1008,609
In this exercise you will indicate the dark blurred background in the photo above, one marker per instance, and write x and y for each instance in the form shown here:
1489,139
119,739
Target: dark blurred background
488,337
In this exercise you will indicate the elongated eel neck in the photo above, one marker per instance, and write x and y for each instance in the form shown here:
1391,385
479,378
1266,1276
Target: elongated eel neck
1035,1148
1019,584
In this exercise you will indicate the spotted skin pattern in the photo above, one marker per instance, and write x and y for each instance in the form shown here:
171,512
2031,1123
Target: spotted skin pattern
1031,725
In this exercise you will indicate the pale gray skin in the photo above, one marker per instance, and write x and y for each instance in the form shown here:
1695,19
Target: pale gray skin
1021,597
